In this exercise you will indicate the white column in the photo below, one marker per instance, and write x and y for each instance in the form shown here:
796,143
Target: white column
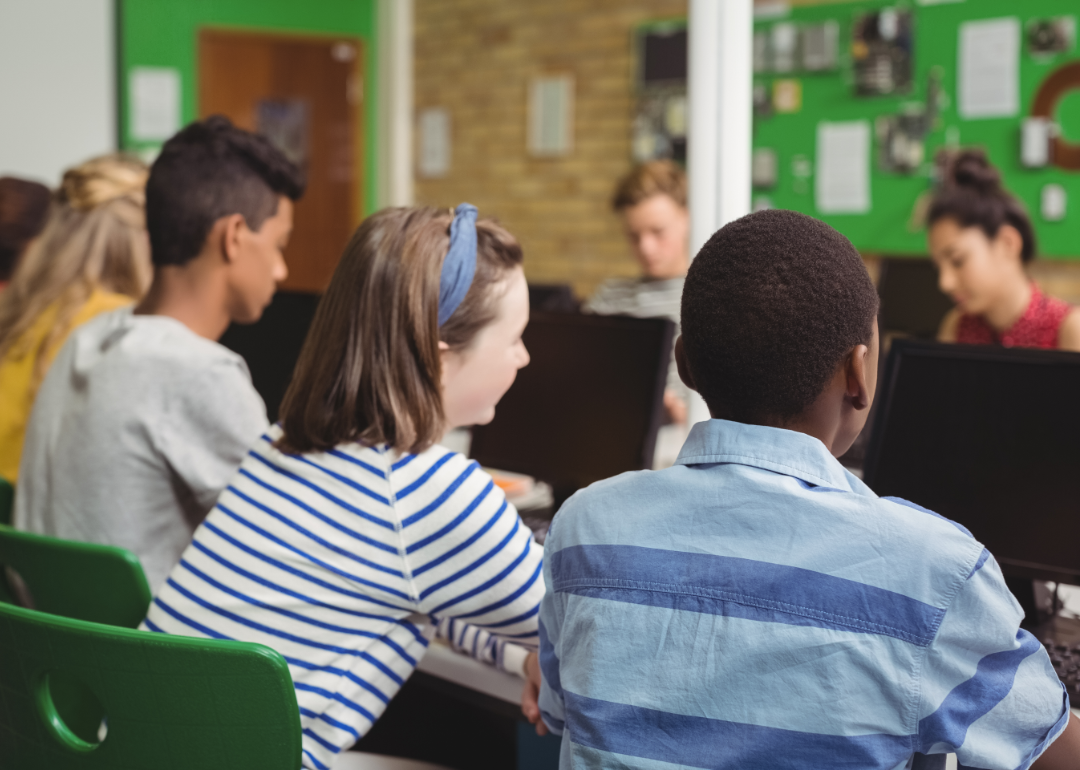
395,102
721,114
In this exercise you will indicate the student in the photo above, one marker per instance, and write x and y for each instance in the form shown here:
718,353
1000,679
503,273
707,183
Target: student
144,417
91,258
24,206
651,201
348,532
982,241
756,605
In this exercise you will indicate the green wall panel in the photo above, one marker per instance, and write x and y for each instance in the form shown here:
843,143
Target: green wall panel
830,96
164,33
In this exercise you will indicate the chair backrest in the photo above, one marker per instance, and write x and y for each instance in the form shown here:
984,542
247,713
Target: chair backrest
7,501
99,583
169,702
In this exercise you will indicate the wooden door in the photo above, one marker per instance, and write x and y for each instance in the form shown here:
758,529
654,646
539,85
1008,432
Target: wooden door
304,92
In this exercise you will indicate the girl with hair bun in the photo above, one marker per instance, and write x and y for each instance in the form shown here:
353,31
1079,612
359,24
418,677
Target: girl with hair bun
93,256
981,240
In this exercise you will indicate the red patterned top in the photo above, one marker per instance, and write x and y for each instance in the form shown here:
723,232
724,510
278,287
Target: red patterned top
1037,328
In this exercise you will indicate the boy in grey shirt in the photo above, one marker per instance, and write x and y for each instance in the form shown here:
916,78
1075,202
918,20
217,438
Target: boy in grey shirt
144,417
651,201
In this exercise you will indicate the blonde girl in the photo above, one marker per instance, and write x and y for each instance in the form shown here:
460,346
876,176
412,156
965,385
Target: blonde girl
348,532
92,257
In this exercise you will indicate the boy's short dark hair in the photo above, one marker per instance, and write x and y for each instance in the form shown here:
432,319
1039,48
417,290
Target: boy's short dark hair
772,304
209,170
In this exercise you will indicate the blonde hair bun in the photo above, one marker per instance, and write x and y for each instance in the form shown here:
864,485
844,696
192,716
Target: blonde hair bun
104,179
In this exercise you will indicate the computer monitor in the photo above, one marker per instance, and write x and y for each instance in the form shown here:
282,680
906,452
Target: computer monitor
911,302
553,298
589,404
271,345
989,437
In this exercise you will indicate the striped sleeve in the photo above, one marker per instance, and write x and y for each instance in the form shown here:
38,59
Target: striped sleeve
606,300
483,646
479,563
988,691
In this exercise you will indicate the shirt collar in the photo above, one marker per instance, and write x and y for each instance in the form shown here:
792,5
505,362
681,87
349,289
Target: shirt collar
774,449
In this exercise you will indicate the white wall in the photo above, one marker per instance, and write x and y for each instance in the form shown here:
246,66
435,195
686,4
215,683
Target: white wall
57,85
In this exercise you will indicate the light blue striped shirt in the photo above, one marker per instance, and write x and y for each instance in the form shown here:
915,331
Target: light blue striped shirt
344,562
757,606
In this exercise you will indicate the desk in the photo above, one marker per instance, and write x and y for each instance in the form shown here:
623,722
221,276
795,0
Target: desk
442,662
461,713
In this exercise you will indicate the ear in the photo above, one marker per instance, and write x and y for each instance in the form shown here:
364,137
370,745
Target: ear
233,229
1010,240
683,365
857,368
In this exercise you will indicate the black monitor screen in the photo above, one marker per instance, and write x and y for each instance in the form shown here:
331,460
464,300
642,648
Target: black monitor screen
989,437
587,406
663,57
911,301
271,346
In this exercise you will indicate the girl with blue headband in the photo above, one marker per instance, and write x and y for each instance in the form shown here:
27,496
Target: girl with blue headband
348,533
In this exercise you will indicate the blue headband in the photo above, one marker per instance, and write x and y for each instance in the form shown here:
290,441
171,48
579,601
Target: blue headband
459,267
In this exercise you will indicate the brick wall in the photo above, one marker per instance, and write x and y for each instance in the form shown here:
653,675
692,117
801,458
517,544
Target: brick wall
475,58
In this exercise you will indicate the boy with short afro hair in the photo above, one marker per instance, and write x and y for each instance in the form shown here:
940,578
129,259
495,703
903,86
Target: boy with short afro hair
756,605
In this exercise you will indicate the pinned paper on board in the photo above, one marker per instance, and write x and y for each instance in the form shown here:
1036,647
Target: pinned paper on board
989,68
433,160
155,103
551,115
787,96
842,179
287,124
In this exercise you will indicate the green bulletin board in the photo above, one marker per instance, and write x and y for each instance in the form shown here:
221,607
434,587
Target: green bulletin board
888,229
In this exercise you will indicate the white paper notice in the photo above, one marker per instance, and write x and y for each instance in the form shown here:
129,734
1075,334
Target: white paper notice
842,181
434,160
989,68
155,103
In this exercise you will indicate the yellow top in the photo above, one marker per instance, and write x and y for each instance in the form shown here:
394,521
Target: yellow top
17,373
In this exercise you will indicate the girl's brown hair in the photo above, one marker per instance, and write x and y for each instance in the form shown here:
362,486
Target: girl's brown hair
370,369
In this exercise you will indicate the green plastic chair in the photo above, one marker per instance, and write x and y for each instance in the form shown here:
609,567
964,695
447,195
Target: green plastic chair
98,583
170,702
7,501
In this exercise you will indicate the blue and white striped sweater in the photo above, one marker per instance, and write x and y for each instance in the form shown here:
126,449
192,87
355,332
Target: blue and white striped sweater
345,562
756,606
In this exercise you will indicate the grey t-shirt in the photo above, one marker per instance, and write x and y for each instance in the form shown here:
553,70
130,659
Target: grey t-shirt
639,297
138,426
